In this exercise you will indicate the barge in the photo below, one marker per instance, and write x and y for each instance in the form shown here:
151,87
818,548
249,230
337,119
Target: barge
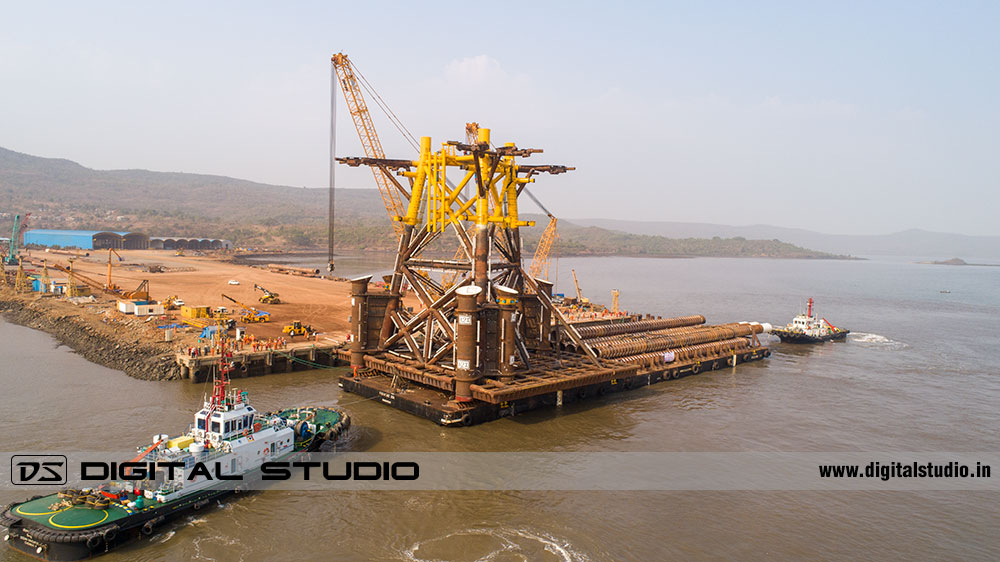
487,340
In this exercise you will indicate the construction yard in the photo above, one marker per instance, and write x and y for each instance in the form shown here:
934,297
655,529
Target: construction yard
202,280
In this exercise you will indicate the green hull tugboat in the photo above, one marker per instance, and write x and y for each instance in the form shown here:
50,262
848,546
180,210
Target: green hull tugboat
227,433
806,328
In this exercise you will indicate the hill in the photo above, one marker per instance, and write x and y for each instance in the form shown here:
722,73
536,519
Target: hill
913,242
63,194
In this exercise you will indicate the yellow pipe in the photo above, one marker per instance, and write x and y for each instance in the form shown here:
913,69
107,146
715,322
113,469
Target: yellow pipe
413,208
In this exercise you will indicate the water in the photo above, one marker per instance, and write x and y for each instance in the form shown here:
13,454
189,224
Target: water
918,373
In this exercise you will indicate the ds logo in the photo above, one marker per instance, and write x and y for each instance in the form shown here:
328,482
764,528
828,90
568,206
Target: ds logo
38,470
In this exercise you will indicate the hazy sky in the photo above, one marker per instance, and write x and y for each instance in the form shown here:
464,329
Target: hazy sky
866,117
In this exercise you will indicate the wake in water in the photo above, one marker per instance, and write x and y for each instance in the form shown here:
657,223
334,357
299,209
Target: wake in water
876,341
511,544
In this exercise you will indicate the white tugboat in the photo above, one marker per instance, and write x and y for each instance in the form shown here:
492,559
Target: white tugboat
807,328
228,435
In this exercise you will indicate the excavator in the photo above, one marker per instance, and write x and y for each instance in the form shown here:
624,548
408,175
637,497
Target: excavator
249,314
268,297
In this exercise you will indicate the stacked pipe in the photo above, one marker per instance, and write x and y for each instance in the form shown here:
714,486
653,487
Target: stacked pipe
619,328
291,270
635,345
670,332
713,349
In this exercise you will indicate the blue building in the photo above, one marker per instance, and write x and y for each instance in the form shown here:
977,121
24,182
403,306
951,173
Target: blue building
87,239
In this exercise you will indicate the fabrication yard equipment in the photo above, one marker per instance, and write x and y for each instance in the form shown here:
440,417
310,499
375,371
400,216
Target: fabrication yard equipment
491,343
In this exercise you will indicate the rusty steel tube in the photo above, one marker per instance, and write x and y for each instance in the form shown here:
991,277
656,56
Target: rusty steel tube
618,328
507,299
724,347
359,318
666,332
643,344
481,259
545,316
466,342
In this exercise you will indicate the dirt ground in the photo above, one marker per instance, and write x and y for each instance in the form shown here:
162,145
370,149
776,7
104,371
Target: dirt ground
321,303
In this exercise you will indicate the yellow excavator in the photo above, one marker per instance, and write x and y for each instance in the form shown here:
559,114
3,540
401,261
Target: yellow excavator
249,314
268,297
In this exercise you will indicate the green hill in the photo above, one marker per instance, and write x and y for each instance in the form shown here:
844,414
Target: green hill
63,194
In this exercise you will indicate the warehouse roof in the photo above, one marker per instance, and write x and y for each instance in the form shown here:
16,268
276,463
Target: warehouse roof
76,232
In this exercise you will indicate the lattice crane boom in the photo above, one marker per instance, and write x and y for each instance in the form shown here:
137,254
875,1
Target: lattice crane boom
540,262
369,138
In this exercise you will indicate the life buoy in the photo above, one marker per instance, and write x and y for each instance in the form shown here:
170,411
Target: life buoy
256,426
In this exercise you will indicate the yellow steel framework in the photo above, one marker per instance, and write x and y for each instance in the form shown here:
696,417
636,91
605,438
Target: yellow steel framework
21,281
46,280
369,138
497,185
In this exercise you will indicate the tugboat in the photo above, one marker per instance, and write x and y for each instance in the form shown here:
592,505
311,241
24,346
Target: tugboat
806,328
227,433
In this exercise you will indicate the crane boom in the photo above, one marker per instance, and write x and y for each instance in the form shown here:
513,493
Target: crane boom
540,262
369,138
20,225
576,283
111,286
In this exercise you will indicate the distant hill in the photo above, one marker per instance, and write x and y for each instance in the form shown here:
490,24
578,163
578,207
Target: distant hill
63,194
912,242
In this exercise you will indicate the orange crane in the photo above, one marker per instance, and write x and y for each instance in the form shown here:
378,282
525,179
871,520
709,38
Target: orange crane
109,285
369,138
540,262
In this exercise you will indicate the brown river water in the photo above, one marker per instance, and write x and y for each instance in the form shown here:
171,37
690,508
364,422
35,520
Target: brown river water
918,373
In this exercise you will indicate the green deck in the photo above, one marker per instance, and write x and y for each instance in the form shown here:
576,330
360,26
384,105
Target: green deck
322,417
73,518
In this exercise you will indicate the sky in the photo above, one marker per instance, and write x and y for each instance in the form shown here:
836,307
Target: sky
840,117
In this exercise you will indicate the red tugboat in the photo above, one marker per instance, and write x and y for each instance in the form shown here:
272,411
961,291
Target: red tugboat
807,328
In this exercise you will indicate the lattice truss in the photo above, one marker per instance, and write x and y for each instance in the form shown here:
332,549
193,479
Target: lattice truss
478,214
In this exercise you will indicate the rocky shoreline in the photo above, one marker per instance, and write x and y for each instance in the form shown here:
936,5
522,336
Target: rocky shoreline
121,345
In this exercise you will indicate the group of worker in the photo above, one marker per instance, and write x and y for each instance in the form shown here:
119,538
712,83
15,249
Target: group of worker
261,344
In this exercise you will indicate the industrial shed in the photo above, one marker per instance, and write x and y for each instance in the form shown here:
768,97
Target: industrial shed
176,243
87,239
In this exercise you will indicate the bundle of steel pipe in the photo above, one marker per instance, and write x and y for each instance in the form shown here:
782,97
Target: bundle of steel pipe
718,348
667,332
618,328
634,345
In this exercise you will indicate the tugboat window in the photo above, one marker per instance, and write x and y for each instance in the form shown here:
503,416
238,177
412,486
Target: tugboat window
215,426
201,422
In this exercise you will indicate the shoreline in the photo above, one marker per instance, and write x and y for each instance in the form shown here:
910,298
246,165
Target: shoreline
110,346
